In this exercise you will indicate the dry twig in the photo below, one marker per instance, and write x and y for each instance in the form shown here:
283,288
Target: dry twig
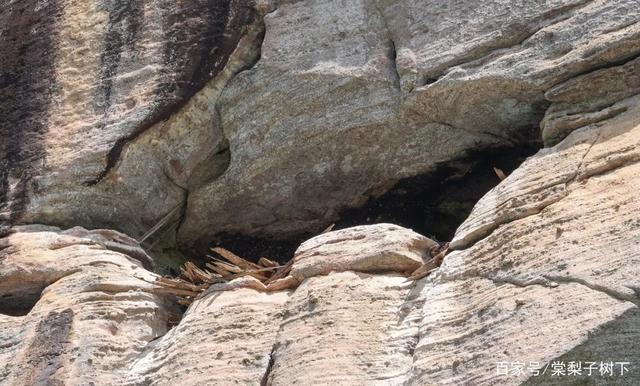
438,254
499,173
193,280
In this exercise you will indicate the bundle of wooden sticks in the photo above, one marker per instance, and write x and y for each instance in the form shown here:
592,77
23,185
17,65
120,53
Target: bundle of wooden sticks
228,266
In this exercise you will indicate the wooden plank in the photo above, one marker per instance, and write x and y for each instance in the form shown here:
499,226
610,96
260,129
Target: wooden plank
263,261
235,259
282,272
160,224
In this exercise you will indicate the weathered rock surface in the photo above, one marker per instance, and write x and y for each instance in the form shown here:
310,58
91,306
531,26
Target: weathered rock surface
71,311
363,325
546,267
535,278
377,249
81,80
224,338
348,98
268,118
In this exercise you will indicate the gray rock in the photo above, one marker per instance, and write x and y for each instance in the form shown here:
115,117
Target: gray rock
268,121
268,118
347,99
81,81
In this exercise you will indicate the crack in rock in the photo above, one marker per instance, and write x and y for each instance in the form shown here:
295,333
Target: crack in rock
554,281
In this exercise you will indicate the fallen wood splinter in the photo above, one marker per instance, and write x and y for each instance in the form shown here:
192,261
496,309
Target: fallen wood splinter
499,173
193,280
438,254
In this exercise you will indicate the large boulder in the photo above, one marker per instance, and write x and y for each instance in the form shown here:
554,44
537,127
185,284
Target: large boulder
268,118
73,311
547,265
348,98
543,271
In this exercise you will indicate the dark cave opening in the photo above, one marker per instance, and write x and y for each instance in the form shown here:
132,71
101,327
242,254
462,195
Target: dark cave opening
433,204
253,248
19,302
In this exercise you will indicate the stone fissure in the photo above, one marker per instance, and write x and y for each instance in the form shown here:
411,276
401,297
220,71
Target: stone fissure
265,378
394,64
584,156
595,287
417,298
629,57
255,32
393,51
554,281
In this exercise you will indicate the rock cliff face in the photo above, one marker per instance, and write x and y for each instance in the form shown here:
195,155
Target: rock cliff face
267,119
362,95
83,80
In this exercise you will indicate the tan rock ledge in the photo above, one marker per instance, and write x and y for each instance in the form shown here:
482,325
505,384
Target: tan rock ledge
378,248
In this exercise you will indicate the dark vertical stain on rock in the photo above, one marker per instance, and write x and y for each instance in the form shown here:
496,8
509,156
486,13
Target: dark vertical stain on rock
27,43
4,181
200,35
125,17
44,354
20,198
